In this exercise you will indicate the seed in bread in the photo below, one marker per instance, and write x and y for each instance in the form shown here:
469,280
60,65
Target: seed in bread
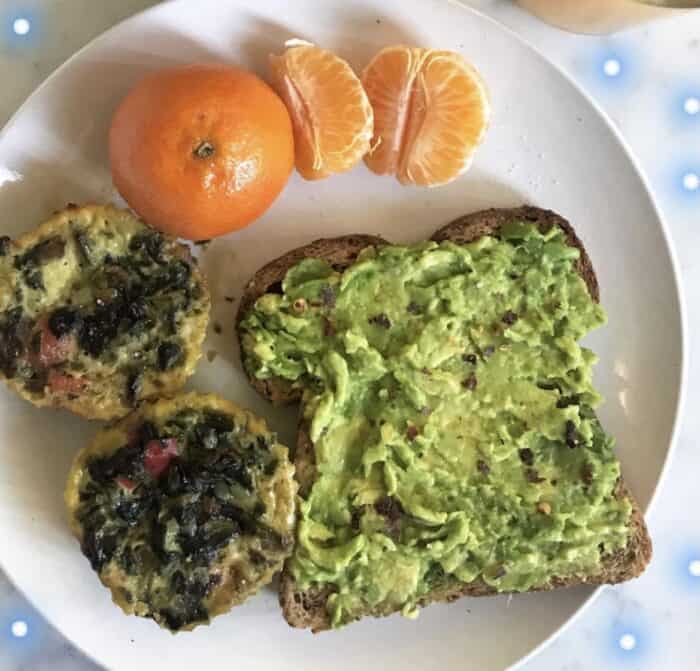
184,508
98,311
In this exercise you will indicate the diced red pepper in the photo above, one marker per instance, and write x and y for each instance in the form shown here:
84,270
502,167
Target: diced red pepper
66,384
53,350
125,483
159,454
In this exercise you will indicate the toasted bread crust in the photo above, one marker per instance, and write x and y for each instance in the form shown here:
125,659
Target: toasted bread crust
307,609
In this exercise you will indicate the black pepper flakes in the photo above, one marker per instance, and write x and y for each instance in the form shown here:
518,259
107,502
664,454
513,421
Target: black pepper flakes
380,320
413,308
587,474
328,328
355,518
533,476
327,296
217,328
482,467
469,358
470,382
526,456
571,435
391,509
509,318
4,245
411,433
566,401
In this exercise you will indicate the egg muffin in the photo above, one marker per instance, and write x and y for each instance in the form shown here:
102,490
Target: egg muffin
184,508
98,311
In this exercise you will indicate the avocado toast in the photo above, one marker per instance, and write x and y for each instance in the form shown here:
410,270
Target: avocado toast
448,443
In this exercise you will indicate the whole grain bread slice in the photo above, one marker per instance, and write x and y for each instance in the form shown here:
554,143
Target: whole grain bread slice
307,608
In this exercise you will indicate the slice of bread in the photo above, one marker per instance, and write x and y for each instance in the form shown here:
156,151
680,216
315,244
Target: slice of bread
307,609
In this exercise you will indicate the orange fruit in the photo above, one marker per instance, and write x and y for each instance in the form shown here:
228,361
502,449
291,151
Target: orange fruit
201,150
331,115
431,111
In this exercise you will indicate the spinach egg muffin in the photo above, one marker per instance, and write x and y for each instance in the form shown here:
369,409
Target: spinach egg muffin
98,311
185,508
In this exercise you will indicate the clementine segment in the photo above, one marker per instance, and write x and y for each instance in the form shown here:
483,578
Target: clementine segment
201,150
331,115
431,111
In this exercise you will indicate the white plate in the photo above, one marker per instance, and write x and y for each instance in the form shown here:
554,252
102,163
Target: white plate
547,144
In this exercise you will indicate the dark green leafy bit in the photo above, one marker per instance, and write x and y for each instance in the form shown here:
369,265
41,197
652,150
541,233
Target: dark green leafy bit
64,321
140,293
14,335
47,250
168,355
134,386
177,521
84,246
150,243
30,263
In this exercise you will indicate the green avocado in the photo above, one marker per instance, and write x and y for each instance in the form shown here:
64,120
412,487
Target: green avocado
452,412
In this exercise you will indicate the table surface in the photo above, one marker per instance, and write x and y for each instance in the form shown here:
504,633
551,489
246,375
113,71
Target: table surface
648,82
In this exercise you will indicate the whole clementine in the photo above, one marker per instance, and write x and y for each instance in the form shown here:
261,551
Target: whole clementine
201,150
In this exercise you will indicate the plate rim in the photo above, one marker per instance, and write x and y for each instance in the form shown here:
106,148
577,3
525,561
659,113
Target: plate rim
681,394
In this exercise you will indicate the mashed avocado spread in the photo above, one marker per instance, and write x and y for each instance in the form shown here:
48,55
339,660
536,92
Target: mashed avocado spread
451,409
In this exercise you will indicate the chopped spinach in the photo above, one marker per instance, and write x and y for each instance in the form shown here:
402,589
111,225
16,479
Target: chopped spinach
178,521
